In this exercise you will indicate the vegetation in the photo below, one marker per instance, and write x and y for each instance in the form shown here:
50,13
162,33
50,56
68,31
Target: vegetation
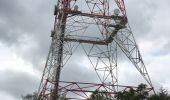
30,96
140,93
100,95
162,95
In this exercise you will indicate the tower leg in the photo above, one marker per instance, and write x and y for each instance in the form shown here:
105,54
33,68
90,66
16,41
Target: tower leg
126,41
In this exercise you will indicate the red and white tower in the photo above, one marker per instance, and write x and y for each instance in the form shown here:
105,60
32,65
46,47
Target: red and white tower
99,28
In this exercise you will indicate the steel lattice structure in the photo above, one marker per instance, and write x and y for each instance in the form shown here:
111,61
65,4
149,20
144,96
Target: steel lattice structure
99,30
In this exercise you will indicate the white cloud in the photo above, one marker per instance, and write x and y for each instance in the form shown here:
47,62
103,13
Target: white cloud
13,68
9,60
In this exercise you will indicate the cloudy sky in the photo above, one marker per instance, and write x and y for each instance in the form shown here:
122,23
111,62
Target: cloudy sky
25,38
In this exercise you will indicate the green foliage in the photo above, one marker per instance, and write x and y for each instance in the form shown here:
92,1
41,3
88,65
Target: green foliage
100,95
30,96
162,95
139,94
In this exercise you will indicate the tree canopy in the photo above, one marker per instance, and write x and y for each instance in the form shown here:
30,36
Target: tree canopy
100,95
30,96
140,93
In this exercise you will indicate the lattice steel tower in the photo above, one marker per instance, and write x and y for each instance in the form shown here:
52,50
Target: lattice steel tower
99,28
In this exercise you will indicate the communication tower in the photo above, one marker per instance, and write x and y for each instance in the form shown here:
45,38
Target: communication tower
99,28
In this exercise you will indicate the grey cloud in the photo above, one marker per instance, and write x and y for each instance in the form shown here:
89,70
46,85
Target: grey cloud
26,18
9,12
34,18
7,37
76,70
10,8
17,83
140,16
20,22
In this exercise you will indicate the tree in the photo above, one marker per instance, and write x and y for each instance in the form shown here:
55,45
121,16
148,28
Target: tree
139,94
30,96
100,95
162,95
142,92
